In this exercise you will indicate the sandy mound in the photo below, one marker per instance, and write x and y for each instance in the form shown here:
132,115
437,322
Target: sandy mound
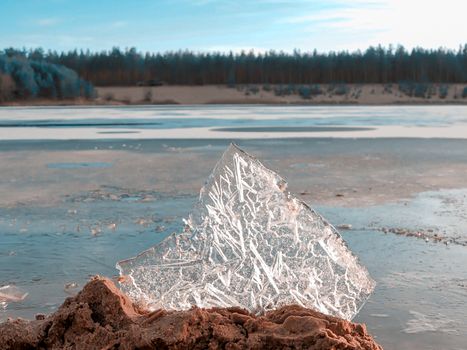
101,317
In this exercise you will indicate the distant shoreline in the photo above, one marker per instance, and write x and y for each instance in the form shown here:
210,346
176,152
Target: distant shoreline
348,94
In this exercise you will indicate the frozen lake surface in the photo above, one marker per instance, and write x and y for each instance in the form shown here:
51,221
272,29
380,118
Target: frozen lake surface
70,209
220,122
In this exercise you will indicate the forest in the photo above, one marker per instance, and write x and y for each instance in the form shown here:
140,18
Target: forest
374,65
37,72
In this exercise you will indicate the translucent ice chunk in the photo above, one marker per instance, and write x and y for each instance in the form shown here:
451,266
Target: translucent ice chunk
249,243
11,293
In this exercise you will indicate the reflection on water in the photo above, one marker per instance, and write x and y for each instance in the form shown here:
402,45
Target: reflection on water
45,249
418,301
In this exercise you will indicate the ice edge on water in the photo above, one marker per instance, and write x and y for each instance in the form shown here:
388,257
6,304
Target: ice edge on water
249,243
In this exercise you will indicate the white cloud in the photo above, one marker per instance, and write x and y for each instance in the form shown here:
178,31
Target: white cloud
426,23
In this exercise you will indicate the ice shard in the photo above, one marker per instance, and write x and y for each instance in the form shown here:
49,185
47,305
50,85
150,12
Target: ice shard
249,243
11,293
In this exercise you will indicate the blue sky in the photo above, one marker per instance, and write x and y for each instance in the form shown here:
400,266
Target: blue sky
223,25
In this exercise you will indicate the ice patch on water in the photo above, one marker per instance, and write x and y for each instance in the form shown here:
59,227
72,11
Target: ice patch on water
249,243
430,323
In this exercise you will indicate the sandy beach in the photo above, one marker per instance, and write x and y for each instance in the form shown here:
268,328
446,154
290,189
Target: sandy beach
355,94
368,94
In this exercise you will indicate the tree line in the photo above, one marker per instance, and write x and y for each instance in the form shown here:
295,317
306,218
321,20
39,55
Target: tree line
374,65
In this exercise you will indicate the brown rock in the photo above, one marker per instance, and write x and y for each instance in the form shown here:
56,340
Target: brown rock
101,317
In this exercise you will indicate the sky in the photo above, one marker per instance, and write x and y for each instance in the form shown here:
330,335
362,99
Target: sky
232,25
